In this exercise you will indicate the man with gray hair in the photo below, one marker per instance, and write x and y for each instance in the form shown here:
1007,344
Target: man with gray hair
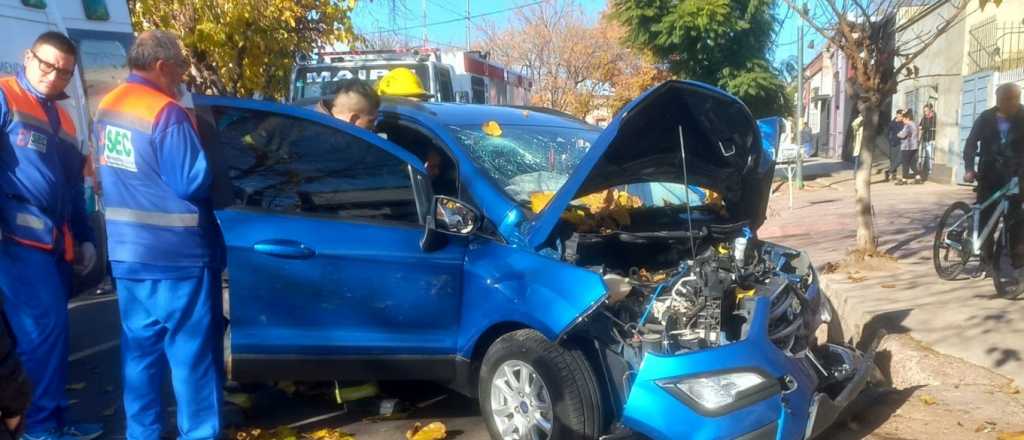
997,140
166,251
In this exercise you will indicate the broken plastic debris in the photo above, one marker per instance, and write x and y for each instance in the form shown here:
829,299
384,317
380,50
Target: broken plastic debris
433,431
491,128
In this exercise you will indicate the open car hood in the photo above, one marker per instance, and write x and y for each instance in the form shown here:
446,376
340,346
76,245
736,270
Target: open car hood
723,149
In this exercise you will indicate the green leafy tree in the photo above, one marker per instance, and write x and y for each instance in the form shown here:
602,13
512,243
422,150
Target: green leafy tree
721,42
246,47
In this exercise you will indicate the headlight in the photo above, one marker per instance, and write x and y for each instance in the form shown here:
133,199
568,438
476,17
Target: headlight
720,393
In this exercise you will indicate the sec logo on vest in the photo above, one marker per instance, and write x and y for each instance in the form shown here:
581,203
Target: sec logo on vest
118,149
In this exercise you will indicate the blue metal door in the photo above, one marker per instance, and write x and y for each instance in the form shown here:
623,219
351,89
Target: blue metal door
974,99
323,233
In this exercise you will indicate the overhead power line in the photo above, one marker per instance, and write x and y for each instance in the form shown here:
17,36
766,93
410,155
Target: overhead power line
456,20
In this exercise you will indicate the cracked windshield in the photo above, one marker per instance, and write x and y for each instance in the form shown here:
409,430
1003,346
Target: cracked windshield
526,160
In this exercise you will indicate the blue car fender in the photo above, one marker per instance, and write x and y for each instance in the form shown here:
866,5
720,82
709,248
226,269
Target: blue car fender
507,284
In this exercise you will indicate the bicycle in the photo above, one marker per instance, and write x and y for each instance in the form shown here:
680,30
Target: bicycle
958,240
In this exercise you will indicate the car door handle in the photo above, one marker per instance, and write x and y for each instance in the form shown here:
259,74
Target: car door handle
284,249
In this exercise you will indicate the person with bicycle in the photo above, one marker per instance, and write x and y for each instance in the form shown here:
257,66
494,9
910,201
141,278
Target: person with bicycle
997,141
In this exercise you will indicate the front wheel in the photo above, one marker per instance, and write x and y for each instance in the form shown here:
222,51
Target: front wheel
1007,283
951,249
531,389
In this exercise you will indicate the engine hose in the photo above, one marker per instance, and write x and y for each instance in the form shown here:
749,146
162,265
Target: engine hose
781,308
650,305
789,330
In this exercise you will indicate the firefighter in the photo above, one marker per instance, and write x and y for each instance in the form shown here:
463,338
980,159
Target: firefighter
403,83
43,218
166,250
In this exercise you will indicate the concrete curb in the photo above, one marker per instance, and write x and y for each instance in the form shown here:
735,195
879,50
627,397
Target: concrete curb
854,320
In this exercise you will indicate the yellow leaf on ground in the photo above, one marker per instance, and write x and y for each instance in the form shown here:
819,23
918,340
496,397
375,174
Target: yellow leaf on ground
1010,436
330,434
433,431
928,400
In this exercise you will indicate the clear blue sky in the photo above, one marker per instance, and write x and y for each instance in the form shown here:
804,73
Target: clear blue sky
447,25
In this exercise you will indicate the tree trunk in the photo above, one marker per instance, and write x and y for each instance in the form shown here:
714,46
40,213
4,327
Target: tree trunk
866,241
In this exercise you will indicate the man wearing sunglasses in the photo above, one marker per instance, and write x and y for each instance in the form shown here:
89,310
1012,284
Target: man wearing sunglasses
44,222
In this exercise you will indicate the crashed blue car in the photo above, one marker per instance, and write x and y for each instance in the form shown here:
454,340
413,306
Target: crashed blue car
580,283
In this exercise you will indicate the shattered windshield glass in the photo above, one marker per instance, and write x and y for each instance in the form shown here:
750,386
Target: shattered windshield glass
525,159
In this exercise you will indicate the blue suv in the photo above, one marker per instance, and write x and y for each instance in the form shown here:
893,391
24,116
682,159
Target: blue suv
580,283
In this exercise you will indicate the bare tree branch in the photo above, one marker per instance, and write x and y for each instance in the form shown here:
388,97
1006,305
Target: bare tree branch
810,22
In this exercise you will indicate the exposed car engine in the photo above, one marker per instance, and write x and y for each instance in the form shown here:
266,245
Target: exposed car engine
670,295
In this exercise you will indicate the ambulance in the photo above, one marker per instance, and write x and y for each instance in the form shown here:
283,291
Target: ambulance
449,76
102,29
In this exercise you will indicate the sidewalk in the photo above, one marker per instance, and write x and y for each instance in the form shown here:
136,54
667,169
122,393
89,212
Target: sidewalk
961,318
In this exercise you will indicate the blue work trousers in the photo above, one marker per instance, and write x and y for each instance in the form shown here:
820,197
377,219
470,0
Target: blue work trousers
36,285
180,322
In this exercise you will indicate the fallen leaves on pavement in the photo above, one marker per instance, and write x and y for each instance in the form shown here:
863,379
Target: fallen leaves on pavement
928,400
330,434
286,433
433,431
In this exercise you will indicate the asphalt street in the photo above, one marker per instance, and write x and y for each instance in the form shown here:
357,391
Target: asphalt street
94,392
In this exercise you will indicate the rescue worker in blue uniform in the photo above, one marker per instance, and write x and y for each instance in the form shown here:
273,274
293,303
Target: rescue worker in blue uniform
165,247
43,219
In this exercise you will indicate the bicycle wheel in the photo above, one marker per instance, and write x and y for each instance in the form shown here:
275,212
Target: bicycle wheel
1004,276
949,260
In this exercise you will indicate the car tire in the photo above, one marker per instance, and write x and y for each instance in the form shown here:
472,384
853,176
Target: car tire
567,399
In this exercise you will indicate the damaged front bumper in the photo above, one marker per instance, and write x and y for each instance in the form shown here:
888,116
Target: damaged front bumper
798,397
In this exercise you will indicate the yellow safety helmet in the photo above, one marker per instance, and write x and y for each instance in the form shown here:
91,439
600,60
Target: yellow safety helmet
401,82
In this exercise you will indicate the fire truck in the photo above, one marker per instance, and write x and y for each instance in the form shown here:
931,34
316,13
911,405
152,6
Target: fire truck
453,76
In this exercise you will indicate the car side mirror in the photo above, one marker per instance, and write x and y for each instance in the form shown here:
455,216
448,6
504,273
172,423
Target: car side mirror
448,217
454,217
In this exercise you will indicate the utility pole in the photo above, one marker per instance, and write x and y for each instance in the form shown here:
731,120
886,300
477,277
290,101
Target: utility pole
426,38
800,109
468,18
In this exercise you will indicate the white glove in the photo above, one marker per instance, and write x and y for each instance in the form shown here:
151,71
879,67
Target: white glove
86,258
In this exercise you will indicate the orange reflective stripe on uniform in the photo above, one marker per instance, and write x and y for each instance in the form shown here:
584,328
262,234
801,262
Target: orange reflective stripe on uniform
69,244
134,105
24,107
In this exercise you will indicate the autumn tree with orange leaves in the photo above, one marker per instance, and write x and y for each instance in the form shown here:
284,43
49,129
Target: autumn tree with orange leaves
577,65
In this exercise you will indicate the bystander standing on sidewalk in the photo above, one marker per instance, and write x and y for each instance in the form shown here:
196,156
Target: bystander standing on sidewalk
908,148
894,145
927,150
857,127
